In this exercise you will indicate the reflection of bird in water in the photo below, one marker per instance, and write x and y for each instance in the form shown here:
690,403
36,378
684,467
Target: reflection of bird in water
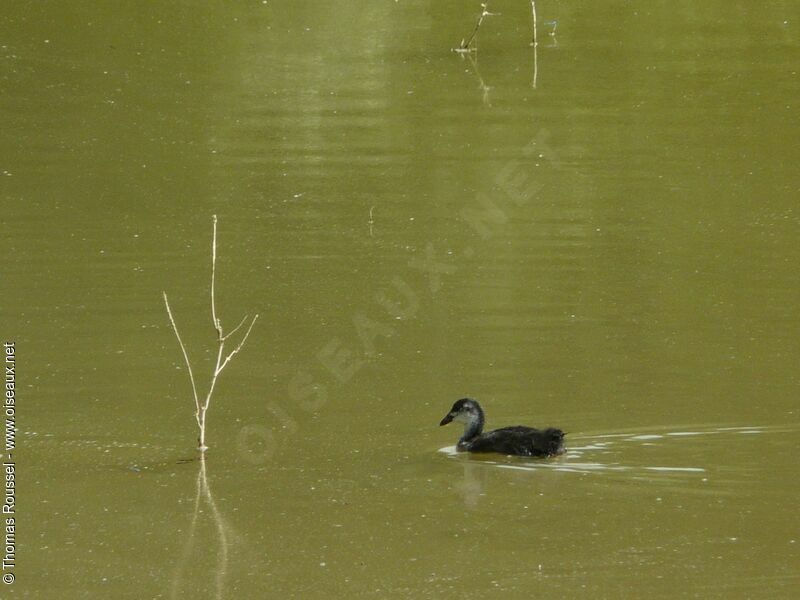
471,487
519,440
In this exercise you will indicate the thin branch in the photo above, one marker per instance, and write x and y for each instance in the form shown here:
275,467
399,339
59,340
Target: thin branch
535,44
371,221
213,381
220,365
185,357
201,411
201,420
235,329
239,347
217,324
465,44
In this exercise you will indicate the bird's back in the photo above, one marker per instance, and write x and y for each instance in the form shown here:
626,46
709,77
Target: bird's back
519,440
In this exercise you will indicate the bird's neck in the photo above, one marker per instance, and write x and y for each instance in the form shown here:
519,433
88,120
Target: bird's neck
472,427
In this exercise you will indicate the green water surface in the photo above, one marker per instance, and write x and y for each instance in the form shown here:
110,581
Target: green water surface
611,248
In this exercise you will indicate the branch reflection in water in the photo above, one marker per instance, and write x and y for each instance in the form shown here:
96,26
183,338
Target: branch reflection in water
473,60
471,51
224,534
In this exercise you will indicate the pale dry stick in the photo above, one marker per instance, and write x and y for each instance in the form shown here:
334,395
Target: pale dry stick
186,358
535,44
221,337
235,329
217,370
217,324
201,410
371,221
465,43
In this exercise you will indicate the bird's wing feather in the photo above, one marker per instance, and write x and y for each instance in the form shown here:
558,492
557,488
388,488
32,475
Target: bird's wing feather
525,441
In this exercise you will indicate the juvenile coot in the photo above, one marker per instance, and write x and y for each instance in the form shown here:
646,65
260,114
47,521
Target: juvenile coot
520,440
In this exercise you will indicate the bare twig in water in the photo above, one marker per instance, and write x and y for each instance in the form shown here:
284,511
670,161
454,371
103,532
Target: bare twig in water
201,409
466,44
214,318
185,356
535,44
371,221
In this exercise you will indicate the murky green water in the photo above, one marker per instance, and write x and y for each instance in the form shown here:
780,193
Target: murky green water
613,252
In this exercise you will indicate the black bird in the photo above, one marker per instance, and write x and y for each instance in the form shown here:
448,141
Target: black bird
519,440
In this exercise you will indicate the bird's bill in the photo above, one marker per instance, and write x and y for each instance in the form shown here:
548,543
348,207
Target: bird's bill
447,418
